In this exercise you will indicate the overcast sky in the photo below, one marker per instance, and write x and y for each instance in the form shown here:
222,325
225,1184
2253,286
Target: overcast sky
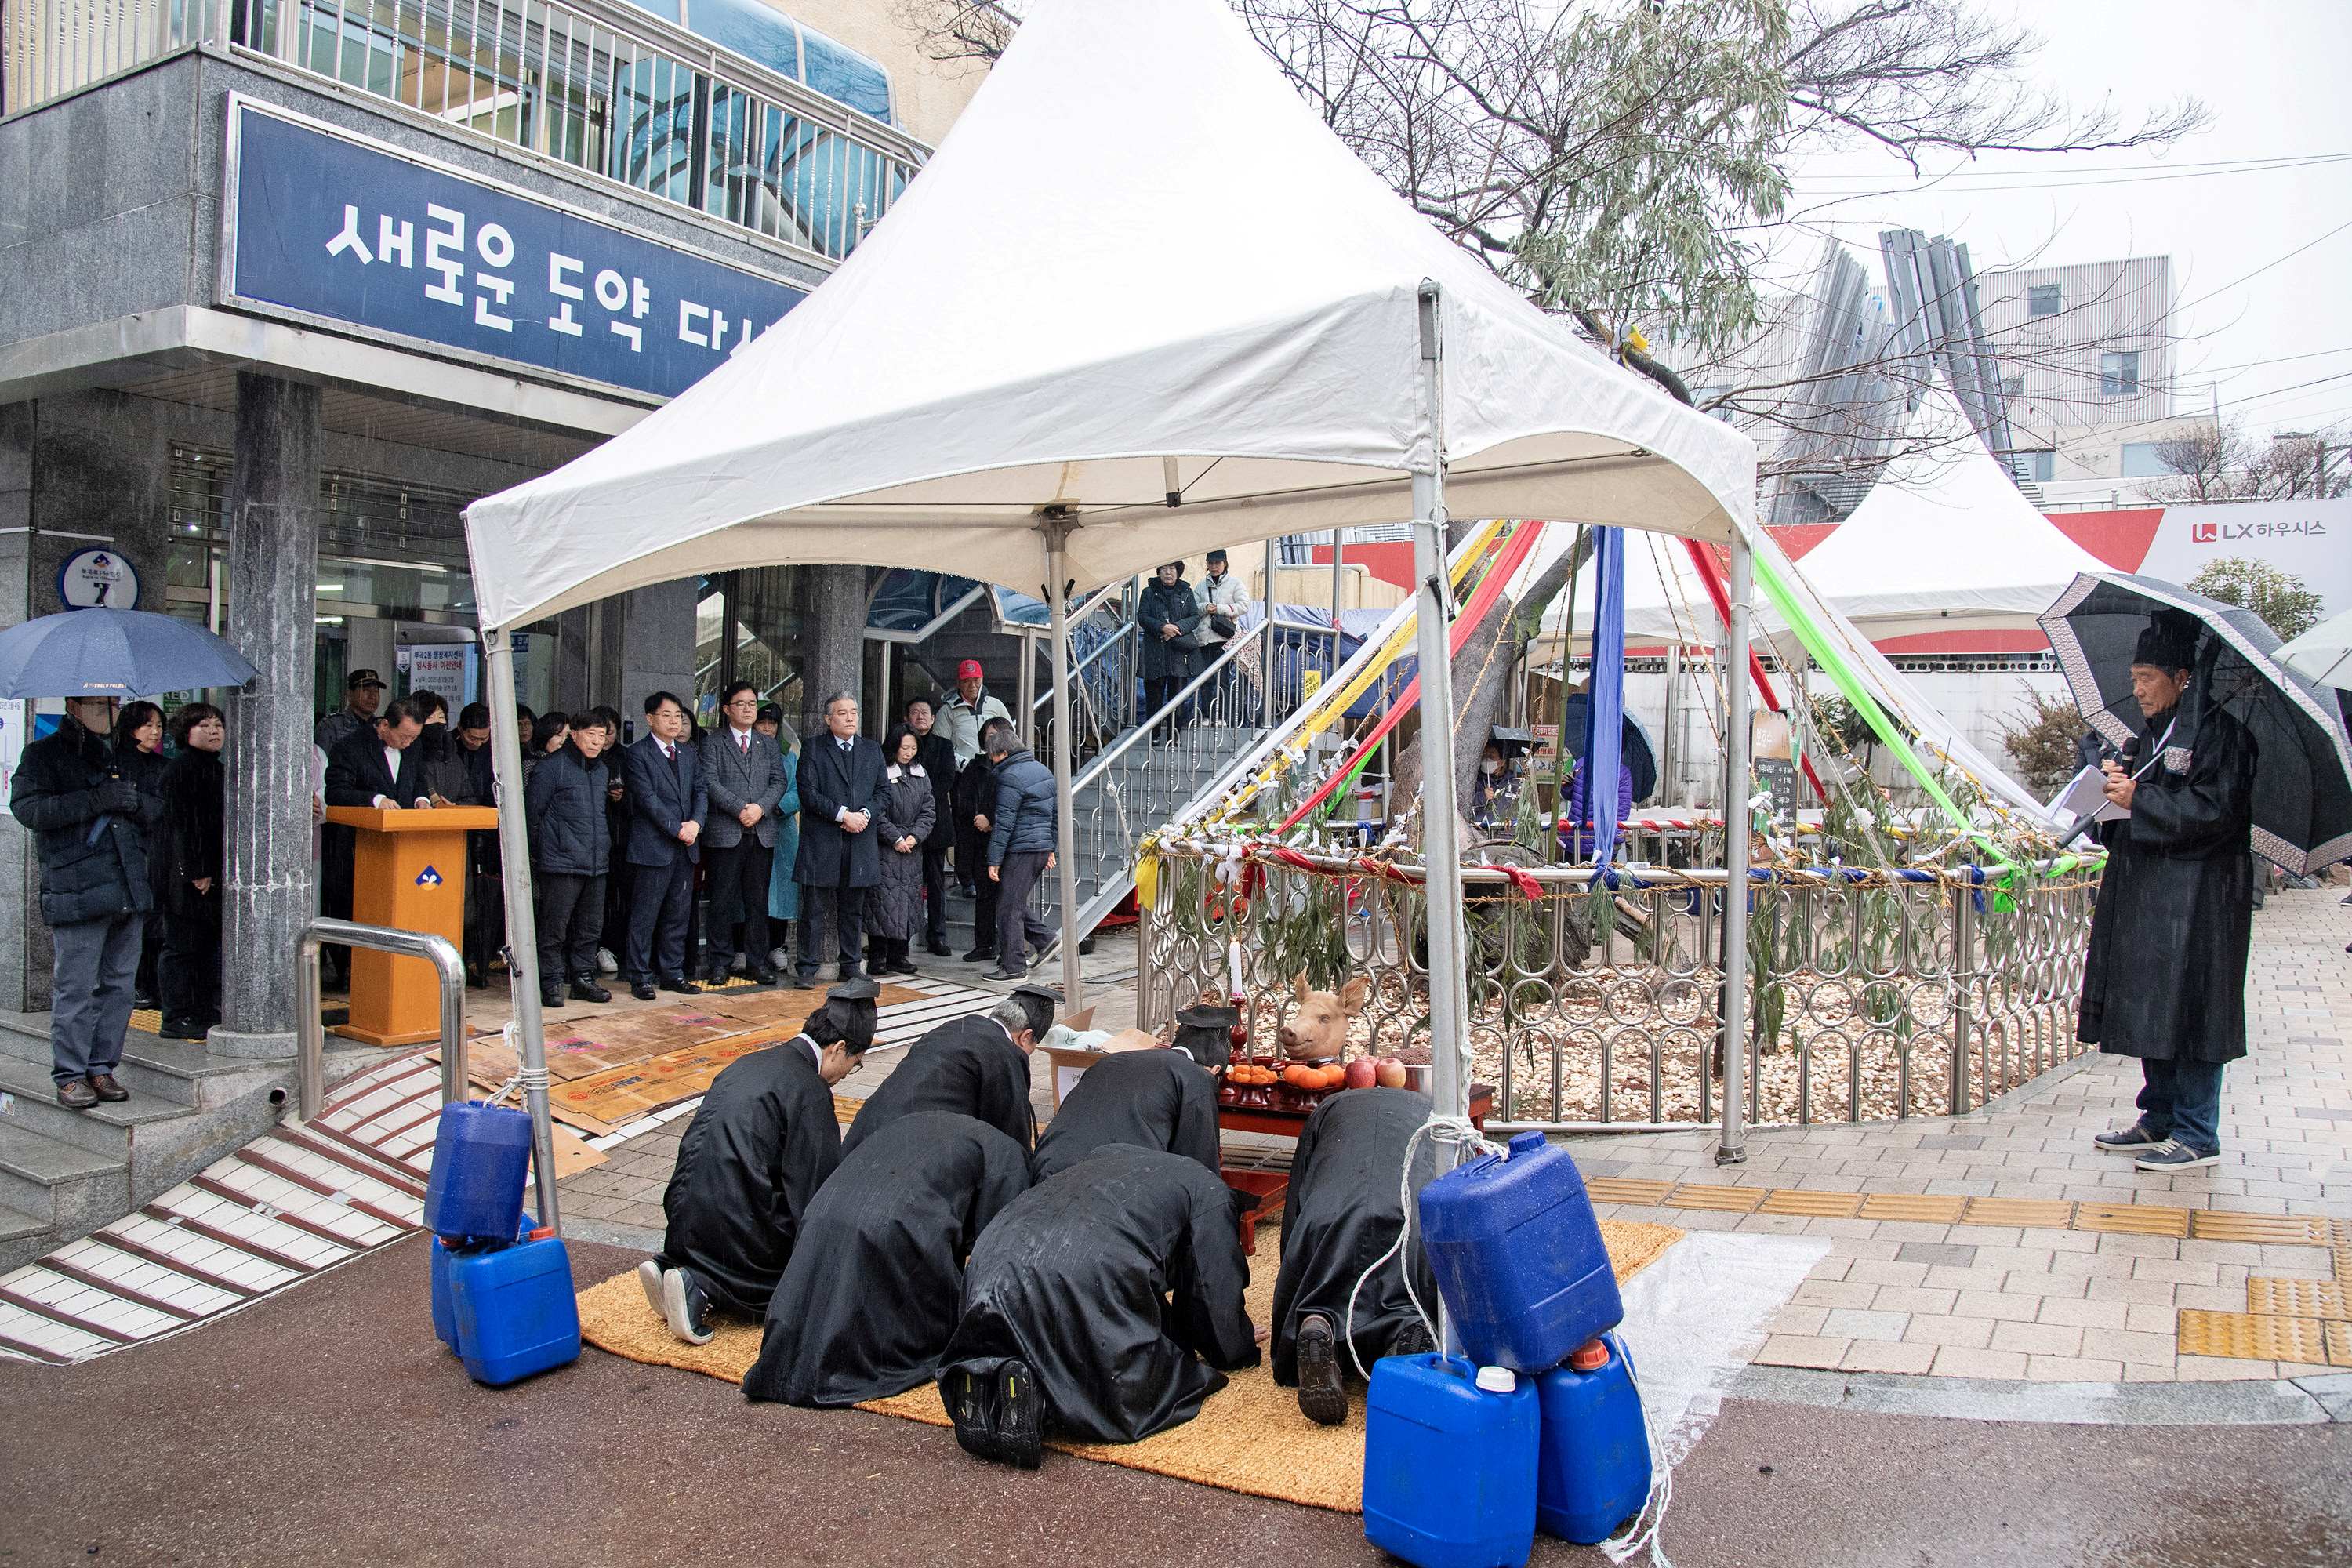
2273,73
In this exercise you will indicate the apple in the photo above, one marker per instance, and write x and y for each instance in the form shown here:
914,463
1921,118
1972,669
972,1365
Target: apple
1362,1073
1389,1073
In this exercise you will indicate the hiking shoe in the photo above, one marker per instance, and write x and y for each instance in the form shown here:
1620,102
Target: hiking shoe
1322,1397
2172,1154
649,1275
685,1306
966,1395
2125,1139
1020,1417
1413,1338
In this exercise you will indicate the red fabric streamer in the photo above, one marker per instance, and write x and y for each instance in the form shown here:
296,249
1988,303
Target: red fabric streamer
1718,590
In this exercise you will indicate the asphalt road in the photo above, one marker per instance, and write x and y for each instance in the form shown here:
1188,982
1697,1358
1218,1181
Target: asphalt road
328,1426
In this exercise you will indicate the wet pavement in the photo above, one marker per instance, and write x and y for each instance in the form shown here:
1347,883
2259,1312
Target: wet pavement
327,1424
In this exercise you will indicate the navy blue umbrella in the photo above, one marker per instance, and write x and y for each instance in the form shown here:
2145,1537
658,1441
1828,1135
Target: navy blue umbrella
114,653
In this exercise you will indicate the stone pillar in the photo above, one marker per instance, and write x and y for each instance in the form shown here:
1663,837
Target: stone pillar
835,645
272,514
24,940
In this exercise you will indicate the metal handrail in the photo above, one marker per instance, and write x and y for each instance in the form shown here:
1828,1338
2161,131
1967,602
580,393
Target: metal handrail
310,1034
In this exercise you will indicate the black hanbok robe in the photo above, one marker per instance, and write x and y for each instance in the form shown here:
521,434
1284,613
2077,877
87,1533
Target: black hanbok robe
1121,1283
1341,1214
1153,1100
2165,977
870,1296
762,1142
969,1066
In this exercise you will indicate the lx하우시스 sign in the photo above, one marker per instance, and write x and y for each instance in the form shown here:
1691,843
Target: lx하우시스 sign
323,224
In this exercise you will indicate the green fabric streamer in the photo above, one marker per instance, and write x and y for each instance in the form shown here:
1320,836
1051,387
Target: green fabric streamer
1850,683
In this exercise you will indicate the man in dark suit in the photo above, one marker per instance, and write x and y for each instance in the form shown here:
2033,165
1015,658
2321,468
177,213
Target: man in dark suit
379,766
667,801
936,754
743,772
842,797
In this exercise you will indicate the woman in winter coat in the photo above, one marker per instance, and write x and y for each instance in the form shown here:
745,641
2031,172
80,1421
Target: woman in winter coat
185,862
570,850
783,893
139,756
1169,615
898,917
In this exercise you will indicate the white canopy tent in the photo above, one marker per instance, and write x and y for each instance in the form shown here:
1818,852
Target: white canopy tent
1142,302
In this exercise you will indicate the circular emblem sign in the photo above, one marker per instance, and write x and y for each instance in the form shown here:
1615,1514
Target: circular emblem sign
93,577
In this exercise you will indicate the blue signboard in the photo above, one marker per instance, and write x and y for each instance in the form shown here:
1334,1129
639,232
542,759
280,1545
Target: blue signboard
325,225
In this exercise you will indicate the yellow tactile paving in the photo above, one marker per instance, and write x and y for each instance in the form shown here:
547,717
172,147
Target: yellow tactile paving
1626,1190
2273,1229
2132,1219
2050,1214
2248,1336
2339,1344
1932,1208
2299,1299
1730,1200
1813,1205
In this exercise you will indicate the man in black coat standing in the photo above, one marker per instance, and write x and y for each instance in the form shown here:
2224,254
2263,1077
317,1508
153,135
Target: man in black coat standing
936,752
89,827
745,771
842,797
762,1142
2165,976
380,766
667,801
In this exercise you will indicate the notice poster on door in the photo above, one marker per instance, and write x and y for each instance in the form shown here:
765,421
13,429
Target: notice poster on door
440,668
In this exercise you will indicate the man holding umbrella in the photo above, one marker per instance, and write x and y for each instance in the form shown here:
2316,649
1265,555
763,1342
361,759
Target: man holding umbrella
2166,976
89,827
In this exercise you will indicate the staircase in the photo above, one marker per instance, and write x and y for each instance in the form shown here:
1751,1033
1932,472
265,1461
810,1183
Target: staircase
63,1172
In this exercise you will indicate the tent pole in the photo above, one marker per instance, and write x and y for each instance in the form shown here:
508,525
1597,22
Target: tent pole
1738,745
1440,852
1066,827
522,939
1266,660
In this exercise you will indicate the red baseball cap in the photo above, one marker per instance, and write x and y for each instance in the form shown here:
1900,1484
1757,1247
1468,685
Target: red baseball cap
968,670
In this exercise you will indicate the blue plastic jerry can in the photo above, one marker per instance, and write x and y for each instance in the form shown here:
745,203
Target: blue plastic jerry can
1592,1472
515,1311
1450,1463
445,1310
480,1155
1518,1255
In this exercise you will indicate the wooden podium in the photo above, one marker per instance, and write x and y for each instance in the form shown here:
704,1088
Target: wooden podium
408,871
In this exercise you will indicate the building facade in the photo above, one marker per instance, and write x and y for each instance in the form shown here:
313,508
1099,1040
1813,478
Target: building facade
291,285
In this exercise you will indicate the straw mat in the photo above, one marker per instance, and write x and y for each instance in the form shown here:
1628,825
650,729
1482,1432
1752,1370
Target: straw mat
1249,1438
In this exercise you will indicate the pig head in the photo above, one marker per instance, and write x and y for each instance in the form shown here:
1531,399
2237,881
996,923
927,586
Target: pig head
1317,1029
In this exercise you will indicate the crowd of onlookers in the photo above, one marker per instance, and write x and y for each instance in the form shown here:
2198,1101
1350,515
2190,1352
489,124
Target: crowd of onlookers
685,856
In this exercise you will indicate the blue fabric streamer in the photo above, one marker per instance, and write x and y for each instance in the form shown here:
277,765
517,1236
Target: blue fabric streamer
1604,715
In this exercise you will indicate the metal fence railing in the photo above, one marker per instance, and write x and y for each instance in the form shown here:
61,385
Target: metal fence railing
1868,1001
598,85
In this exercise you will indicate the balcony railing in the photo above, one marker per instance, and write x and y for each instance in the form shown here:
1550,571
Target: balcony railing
595,84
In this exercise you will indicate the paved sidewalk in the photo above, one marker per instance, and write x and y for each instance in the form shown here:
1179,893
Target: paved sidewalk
2003,1245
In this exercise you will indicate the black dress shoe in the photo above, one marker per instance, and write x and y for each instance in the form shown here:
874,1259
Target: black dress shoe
980,956
75,1094
551,996
716,978
763,975
642,990
681,984
803,982
181,1029
585,990
900,966
936,947
106,1088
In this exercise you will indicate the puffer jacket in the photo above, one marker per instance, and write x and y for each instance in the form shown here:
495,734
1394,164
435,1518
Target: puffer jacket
1022,822
93,850
571,836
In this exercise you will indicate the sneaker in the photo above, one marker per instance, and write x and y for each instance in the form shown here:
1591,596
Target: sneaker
649,1275
740,962
779,959
686,1306
965,1394
2172,1154
1020,1417
1001,973
980,956
1322,1397
2124,1139
606,963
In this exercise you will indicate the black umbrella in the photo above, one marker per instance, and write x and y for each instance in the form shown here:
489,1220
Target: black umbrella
2303,786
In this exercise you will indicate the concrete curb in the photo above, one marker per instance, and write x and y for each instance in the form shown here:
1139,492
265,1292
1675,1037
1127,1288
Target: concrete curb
2253,1402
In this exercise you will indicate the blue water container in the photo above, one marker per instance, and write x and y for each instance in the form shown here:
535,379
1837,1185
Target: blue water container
514,1309
445,1310
480,1155
1517,1256
1593,1472
1450,1463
